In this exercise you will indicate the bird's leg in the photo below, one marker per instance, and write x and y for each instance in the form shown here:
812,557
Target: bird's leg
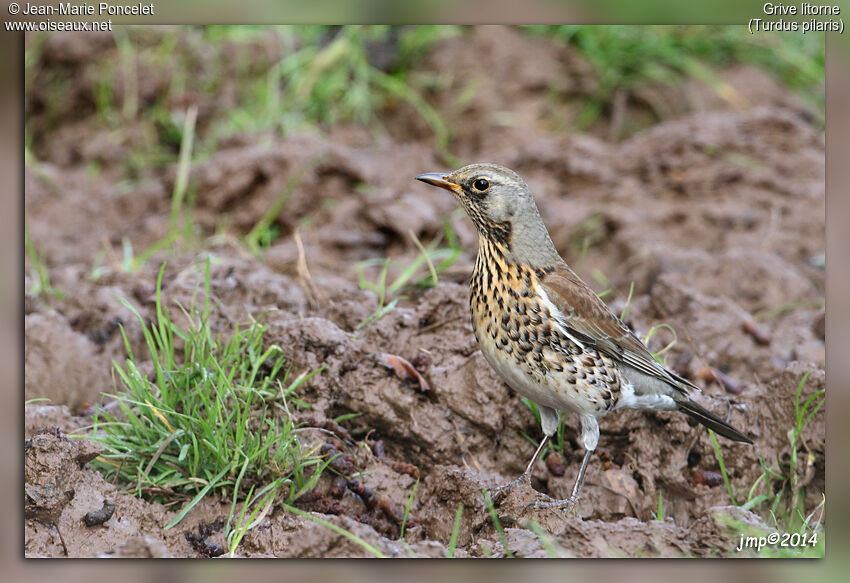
590,438
580,477
549,419
567,503
501,491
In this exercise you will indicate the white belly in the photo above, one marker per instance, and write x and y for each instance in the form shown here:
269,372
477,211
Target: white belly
543,390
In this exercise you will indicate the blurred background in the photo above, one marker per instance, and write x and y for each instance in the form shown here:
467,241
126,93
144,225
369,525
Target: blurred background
116,106
273,81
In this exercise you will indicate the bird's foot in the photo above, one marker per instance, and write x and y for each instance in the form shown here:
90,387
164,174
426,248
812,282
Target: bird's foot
499,493
544,501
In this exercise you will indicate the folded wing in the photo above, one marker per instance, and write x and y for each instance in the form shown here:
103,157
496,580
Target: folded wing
590,320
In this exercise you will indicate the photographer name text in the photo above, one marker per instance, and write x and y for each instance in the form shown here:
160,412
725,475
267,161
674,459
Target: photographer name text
101,9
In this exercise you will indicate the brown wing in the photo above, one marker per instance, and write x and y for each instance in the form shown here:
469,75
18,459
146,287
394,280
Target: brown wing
592,322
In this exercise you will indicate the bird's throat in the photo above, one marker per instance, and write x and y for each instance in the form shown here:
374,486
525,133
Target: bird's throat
498,234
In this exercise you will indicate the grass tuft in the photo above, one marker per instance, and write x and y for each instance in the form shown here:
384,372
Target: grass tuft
626,58
39,272
327,75
432,257
780,490
207,415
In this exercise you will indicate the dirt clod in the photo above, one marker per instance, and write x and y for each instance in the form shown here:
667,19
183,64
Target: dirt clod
49,460
198,540
407,469
101,515
708,374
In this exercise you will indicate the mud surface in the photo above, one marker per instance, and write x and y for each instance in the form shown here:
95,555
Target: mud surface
716,213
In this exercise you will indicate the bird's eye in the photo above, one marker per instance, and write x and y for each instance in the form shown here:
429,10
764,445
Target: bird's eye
481,185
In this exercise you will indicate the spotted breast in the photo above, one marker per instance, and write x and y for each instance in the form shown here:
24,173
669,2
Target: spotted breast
522,337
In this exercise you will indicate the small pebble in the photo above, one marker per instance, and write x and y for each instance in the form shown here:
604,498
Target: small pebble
758,332
555,464
101,515
710,479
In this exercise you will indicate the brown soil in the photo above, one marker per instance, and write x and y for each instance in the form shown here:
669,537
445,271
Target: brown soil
715,213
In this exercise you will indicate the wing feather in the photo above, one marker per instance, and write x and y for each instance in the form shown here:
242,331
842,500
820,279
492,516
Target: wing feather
589,319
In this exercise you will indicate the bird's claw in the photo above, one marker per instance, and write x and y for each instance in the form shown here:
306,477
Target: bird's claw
544,501
499,493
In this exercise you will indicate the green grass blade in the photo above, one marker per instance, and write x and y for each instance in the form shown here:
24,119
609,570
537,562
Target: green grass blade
545,540
182,514
339,530
659,516
497,524
407,508
455,532
432,270
183,165
720,463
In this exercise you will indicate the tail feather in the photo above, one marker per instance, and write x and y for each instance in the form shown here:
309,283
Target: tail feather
712,421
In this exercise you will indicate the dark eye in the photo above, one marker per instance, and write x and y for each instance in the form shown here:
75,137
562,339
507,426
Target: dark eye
481,184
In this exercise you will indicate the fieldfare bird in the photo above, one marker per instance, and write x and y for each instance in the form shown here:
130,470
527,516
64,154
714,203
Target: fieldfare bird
545,332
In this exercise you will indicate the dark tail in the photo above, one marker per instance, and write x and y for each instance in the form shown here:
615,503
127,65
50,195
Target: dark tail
712,421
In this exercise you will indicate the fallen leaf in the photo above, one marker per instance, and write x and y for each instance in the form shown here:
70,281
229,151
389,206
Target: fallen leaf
407,372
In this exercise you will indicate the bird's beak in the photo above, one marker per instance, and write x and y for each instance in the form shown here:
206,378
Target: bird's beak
439,179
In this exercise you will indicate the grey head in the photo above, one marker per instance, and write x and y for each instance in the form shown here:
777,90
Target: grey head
503,210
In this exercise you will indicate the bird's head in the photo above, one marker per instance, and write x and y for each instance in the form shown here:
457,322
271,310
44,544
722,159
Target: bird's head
494,197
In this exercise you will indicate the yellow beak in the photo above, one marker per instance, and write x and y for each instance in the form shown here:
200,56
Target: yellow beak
439,179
